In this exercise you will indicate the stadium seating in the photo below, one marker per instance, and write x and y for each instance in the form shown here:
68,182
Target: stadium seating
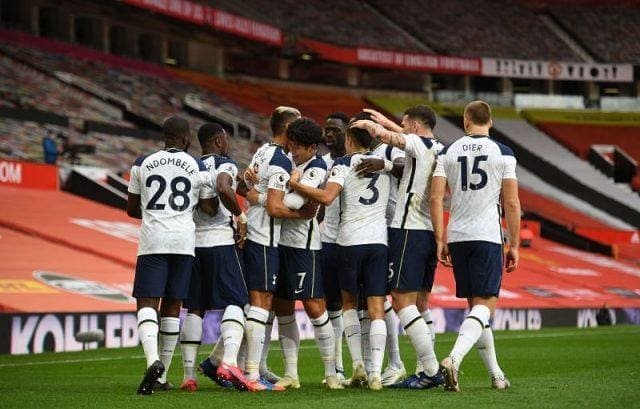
345,22
609,32
264,96
476,28
26,88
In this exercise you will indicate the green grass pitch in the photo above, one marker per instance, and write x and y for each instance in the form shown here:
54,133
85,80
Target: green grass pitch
567,368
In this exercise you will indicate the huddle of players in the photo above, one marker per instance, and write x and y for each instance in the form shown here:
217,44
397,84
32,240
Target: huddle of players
378,238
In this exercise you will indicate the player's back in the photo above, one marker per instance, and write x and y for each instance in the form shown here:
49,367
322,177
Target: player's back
273,168
169,182
363,203
412,208
475,166
390,153
216,230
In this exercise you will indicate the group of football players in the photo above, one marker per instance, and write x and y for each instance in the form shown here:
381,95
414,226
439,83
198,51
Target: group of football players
347,219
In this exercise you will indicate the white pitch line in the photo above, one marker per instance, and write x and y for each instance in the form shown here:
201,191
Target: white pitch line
498,337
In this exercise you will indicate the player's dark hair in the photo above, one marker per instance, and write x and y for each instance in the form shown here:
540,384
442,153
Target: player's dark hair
175,128
361,136
339,115
281,117
423,114
209,131
305,131
478,112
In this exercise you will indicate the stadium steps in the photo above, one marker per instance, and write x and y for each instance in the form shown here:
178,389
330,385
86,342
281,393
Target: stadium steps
554,163
557,28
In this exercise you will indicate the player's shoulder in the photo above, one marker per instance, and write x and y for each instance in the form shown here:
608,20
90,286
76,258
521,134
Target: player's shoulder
504,149
343,161
220,160
201,165
280,159
140,159
316,162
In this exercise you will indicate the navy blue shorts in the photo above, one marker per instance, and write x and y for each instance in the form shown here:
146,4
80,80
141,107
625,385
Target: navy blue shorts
364,268
261,265
330,271
477,267
162,275
217,280
300,275
412,259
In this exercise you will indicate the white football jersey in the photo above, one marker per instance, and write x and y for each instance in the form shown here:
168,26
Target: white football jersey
219,229
390,153
412,209
273,166
300,233
363,203
475,166
170,183
331,213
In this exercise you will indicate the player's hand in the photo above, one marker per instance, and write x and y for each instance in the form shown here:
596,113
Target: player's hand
369,165
373,128
443,254
253,197
250,176
383,120
308,211
241,234
513,256
295,176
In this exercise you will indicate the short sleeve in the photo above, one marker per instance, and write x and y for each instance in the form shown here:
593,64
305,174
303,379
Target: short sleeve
207,183
278,179
509,167
439,170
313,177
339,173
229,168
134,180
412,145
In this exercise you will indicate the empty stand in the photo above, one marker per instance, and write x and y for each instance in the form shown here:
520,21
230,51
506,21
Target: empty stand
610,32
345,22
477,28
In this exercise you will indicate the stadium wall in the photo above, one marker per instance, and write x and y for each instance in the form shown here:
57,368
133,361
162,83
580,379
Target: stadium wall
37,333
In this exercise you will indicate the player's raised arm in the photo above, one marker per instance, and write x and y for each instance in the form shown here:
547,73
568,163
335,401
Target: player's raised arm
383,120
379,132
